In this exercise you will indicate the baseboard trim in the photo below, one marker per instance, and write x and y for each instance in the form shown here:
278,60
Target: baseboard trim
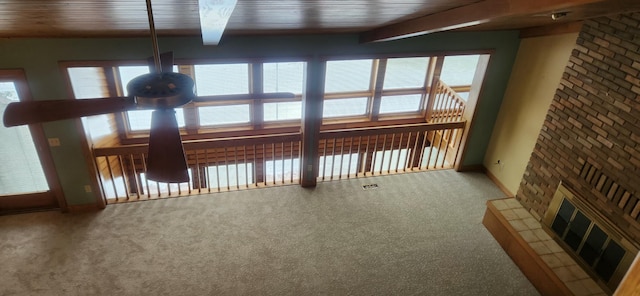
84,208
496,181
470,168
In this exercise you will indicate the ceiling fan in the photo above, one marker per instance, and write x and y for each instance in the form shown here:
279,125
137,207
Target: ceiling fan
161,91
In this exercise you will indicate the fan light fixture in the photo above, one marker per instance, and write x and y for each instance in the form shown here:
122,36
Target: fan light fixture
558,15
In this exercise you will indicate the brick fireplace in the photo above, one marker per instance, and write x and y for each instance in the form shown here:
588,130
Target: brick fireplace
590,139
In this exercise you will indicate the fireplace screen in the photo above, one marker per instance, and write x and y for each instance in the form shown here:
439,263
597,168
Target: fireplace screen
592,240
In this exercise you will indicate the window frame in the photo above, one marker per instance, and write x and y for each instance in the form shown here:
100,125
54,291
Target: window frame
193,129
373,117
376,91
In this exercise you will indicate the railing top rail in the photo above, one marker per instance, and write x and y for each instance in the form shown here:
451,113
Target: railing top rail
204,144
395,129
288,137
448,89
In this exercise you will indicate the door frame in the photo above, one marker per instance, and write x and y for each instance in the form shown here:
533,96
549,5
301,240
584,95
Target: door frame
54,197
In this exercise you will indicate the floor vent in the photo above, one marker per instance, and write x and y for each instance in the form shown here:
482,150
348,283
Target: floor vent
370,186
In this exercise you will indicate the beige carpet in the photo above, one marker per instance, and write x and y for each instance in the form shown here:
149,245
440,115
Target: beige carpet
417,234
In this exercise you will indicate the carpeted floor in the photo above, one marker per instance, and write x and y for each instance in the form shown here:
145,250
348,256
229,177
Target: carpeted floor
417,234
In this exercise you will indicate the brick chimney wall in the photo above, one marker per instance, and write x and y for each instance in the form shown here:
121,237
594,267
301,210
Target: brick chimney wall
590,139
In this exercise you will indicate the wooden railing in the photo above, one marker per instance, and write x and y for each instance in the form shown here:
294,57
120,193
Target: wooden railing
393,149
448,106
260,161
214,165
239,163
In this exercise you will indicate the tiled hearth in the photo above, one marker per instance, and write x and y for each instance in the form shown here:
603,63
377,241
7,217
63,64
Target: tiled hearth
541,259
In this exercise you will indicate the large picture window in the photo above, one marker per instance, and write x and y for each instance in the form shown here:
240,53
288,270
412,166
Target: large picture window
104,80
364,90
283,77
397,87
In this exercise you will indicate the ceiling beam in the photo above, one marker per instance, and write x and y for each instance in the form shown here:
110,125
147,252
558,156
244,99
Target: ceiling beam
555,29
466,16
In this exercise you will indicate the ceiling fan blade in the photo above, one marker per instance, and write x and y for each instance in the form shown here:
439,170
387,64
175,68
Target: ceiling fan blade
19,113
166,161
265,96
214,15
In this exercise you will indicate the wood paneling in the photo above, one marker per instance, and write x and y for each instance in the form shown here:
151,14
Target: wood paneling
390,19
63,18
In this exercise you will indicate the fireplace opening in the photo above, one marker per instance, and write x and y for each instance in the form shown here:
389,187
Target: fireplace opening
596,243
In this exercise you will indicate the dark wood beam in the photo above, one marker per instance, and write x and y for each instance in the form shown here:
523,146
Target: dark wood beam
467,16
563,28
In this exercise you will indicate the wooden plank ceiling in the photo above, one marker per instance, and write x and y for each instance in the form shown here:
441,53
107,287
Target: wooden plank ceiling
376,19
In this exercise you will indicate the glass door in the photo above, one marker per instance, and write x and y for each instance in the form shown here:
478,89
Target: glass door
23,179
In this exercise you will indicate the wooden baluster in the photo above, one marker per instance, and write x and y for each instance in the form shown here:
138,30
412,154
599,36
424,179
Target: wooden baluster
100,178
333,158
264,162
408,148
197,177
369,156
435,164
360,156
393,140
446,149
144,171
291,174
124,176
235,161
217,165
350,154
384,142
207,168
341,158
426,135
256,162
135,177
399,152
113,180
273,159
246,167
226,165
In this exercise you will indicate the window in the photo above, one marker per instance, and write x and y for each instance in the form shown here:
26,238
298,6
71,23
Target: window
459,70
210,80
397,87
345,107
221,115
406,73
91,84
221,79
399,104
283,77
348,76
21,171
